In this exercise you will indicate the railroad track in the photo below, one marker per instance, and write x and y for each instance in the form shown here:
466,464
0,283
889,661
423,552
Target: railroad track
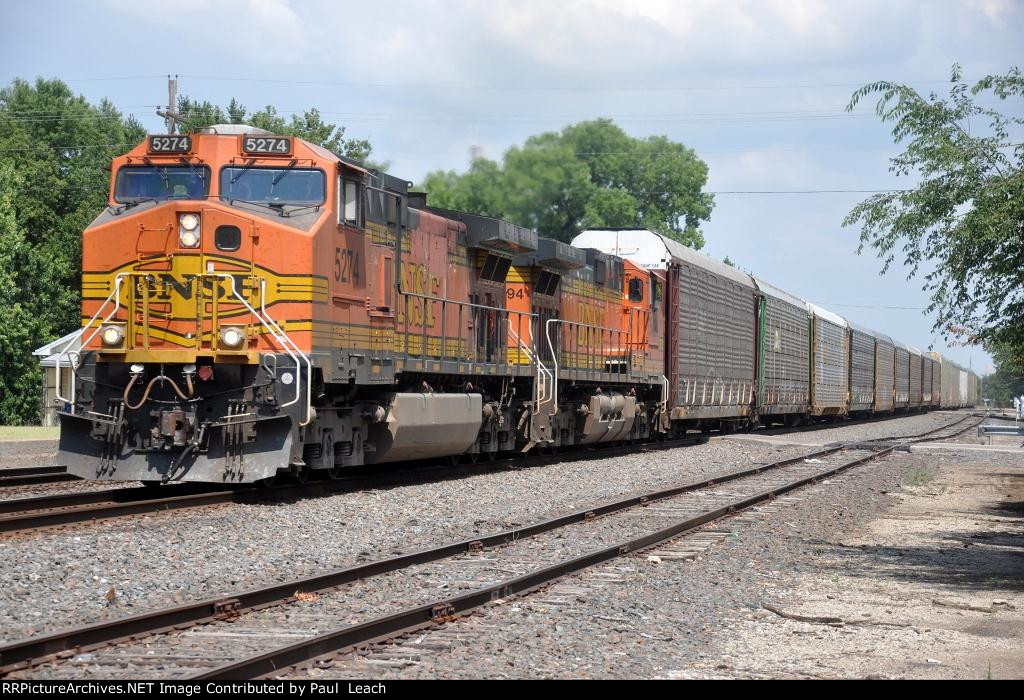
29,476
46,512
956,427
511,562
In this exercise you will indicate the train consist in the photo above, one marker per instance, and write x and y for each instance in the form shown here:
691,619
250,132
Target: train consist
254,304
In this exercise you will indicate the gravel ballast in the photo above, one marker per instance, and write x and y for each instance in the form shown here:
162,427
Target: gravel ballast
112,569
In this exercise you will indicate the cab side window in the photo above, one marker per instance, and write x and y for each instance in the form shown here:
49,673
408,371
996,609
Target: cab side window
636,289
350,204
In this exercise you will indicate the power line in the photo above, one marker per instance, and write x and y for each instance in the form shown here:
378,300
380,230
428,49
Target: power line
551,88
631,154
510,88
79,147
892,191
377,117
868,306
112,78
642,192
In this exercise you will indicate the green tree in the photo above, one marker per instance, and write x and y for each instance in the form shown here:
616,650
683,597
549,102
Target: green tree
55,151
589,175
965,217
21,331
1008,379
309,126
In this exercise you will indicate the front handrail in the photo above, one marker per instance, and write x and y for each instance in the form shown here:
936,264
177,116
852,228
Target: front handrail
116,296
284,341
604,353
543,372
554,359
309,363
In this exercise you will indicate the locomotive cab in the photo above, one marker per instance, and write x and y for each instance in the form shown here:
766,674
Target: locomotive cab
185,275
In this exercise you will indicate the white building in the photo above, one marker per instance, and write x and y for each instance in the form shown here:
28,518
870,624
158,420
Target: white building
48,361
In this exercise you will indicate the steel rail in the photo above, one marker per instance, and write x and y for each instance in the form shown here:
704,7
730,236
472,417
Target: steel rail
105,511
926,434
830,425
40,505
27,476
36,650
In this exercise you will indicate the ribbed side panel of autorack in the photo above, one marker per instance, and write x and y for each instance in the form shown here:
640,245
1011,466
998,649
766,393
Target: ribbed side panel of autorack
422,426
606,417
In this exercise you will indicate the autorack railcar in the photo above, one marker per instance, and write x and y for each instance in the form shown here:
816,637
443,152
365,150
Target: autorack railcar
783,394
830,363
915,378
862,369
885,377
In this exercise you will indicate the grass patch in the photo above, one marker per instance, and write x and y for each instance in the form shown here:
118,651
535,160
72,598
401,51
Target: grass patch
28,432
917,477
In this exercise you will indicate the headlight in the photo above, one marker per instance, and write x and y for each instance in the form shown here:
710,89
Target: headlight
188,230
112,336
232,336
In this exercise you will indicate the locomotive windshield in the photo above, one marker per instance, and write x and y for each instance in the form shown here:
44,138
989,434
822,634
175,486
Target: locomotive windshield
161,182
273,185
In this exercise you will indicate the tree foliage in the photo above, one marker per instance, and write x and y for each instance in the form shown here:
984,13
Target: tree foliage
20,328
965,218
55,149
1008,379
589,175
309,125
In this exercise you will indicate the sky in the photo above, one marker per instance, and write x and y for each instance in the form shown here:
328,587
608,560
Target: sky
757,87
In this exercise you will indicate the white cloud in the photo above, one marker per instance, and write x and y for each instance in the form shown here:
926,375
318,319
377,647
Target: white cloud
257,31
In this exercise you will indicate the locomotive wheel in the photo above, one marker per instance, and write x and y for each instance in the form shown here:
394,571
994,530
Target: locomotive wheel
300,473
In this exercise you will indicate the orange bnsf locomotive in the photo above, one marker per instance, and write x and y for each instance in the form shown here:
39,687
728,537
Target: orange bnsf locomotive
254,304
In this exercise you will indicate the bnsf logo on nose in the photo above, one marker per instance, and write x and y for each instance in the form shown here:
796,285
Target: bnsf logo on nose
167,286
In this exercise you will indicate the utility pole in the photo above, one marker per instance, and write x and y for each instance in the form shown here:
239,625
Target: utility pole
171,116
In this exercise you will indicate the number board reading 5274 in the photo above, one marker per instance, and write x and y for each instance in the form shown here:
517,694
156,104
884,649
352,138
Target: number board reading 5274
267,145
